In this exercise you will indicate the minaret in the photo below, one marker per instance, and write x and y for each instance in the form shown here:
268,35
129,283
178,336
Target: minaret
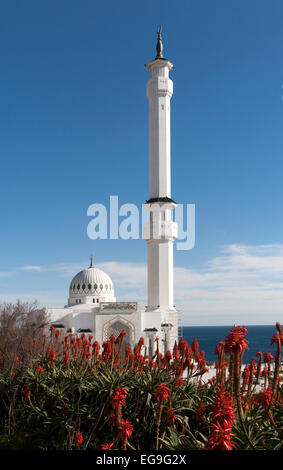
160,232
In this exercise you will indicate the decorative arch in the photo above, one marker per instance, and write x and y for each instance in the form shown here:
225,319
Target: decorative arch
115,326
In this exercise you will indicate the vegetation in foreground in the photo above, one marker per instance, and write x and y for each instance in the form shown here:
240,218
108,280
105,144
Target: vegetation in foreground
69,392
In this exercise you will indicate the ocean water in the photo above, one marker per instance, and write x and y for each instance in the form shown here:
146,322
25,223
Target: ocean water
258,338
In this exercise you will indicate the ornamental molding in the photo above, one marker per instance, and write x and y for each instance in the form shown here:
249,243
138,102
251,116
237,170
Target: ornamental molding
118,306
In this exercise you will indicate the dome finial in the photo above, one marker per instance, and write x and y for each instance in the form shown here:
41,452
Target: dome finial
159,46
91,261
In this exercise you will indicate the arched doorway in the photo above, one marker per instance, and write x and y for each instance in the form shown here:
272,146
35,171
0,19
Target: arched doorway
115,329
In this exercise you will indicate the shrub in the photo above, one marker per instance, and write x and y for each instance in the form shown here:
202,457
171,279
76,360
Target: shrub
75,394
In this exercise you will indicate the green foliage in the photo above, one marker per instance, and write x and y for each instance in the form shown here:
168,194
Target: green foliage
65,400
66,392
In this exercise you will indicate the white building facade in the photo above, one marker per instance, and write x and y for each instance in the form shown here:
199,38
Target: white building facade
92,306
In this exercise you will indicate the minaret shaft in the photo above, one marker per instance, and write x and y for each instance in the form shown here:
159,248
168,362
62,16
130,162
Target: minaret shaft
160,274
159,147
160,231
159,92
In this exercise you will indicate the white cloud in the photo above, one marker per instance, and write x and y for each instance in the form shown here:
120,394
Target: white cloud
262,258
242,284
66,269
126,275
31,268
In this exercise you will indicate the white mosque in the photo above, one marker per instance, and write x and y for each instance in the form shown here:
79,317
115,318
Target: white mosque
92,306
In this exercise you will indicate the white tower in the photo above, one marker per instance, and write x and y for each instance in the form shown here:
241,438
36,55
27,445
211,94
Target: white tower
160,232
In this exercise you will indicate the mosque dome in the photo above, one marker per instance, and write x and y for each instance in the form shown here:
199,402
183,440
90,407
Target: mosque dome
91,282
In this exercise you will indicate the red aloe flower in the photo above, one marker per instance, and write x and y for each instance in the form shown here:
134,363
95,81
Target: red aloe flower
162,393
128,350
222,408
200,412
236,340
78,439
277,338
122,335
224,365
119,397
107,349
179,370
246,376
202,366
182,344
185,349
197,356
195,345
170,416
268,358
52,355
39,369
118,400
66,356
95,348
263,398
264,373
125,429
168,356
139,359
176,352
108,446
219,438
189,350
27,392
222,422
219,347
57,333
253,365
152,364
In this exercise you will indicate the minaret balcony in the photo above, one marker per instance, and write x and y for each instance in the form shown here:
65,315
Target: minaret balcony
159,86
160,229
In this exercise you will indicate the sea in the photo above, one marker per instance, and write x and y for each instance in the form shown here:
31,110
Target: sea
258,338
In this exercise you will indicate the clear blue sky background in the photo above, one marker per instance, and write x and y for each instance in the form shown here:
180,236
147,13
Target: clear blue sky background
74,128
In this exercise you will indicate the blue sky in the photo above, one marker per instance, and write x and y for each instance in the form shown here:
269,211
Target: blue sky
74,130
